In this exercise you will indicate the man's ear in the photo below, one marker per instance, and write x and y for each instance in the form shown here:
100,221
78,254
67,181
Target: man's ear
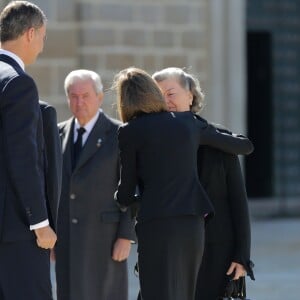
191,97
100,97
29,34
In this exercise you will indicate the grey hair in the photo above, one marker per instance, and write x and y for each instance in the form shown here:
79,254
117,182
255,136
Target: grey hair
83,75
187,81
19,16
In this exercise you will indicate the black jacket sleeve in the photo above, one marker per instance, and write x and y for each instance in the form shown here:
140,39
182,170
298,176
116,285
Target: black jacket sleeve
128,176
224,139
53,161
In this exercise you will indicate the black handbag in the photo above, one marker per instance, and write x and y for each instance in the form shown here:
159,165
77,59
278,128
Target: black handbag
235,290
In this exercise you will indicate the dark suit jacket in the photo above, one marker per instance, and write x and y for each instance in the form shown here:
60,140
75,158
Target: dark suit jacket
159,153
89,219
53,161
22,190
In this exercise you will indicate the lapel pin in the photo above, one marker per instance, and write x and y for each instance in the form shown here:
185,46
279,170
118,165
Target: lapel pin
98,144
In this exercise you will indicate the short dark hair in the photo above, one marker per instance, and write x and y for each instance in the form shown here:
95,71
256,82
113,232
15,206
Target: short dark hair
137,93
19,16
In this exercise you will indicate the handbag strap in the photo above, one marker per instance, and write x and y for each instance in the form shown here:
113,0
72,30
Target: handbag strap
243,287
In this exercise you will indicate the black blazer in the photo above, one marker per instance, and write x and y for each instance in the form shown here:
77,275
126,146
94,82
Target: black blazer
22,188
158,152
53,161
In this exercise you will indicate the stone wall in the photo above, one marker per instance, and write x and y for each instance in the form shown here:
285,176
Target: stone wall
107,36
204,36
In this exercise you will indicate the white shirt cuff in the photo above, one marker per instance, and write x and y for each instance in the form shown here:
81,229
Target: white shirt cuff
39,225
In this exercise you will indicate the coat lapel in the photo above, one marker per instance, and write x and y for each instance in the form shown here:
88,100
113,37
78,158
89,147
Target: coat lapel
95,140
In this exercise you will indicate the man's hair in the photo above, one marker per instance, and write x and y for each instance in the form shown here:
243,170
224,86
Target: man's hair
19,16
137,93
83,75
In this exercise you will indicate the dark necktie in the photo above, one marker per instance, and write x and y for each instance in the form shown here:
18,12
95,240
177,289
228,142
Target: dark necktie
78,144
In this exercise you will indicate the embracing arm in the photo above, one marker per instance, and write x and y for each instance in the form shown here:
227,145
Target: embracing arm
223,139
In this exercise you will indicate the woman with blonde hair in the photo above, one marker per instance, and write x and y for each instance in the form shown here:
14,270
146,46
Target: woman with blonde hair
158,153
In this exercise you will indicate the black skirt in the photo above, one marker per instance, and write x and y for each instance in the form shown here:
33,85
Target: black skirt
169,256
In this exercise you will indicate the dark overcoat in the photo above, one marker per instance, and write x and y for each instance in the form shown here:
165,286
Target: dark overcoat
89,220
227,235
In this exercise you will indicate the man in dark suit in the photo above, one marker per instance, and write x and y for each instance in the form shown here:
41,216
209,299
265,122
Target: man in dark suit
94,237
25,234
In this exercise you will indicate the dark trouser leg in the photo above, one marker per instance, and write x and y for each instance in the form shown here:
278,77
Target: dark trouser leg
24,271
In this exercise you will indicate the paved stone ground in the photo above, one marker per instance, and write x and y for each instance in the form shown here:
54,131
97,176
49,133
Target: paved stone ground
276,254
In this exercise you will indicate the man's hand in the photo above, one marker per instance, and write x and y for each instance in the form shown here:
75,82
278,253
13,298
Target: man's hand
46,237
121,249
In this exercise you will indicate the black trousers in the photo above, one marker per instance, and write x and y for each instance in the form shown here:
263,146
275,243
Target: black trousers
24,271
169,256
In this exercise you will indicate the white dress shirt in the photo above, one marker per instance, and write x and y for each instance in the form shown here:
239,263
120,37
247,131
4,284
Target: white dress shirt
88,128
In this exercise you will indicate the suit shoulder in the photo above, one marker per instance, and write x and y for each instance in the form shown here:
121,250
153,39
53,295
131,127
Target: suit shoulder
46,107
11,71
44,104
62,125
110,123
16,81
127,131
113,121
